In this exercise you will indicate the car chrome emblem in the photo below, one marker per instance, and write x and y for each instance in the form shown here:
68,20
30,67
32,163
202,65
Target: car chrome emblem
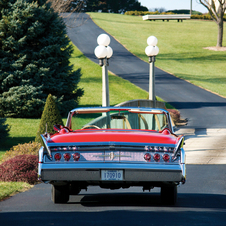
112,155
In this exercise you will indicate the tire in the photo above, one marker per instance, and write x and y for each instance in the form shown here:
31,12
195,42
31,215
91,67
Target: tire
60,194
74,189
169,195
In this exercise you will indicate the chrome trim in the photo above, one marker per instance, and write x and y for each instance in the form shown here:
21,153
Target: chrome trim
112,155
40,154
133,145
110,165
46,146
132,172
178,147
183,156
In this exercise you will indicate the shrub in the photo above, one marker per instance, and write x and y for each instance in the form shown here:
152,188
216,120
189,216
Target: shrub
31,148
21,168
50,117
175,115
143,13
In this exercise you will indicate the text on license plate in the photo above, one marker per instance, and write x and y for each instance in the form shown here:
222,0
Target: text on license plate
111,174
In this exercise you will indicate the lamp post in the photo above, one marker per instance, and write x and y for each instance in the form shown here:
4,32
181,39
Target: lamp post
152,51
104,52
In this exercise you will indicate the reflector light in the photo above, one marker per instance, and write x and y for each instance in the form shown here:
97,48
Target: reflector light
147,157
166,149
57,156
76,156
156,157
166,157
67,156
156,149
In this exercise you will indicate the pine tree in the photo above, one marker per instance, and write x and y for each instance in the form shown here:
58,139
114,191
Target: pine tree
34,60
4,129
50,117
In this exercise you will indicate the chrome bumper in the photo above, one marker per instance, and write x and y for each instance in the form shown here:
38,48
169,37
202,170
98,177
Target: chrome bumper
132,172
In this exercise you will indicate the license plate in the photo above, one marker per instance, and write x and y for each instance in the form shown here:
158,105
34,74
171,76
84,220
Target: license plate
111,174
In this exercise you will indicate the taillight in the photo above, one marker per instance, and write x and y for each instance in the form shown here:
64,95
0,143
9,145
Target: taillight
76,156
166,157
156,157
67,156
57,156
147,157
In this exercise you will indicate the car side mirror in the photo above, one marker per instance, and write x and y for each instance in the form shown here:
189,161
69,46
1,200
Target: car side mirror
57,127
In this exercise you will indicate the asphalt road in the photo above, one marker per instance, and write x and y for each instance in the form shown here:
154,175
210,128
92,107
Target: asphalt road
201,201
202,108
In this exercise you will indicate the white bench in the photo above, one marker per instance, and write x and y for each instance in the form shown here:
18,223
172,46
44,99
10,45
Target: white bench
178,17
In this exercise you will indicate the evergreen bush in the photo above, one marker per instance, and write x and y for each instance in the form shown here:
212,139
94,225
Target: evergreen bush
50,117
35,53
22,168
4,130
31,148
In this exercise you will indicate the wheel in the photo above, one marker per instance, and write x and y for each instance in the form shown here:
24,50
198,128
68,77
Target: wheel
74,189
60,194
169,195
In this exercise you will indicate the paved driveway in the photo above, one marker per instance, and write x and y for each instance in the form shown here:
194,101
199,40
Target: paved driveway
202,108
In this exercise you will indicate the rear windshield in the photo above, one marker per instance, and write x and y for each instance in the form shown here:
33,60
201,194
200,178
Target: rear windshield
120,120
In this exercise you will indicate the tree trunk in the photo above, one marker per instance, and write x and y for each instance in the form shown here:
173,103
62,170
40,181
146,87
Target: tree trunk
220,34
220,27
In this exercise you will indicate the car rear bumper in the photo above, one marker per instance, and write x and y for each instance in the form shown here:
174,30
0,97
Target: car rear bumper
131,172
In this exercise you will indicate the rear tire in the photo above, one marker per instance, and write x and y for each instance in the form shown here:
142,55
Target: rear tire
169,195
60,194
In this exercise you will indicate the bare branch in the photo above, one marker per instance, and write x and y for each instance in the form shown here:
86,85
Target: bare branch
70,10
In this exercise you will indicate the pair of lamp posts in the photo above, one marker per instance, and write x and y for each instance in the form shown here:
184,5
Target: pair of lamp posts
104,52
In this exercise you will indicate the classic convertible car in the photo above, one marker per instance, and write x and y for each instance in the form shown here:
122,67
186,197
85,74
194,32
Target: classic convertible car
113,147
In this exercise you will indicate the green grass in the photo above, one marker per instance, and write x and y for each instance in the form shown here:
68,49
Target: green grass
9,188
181,46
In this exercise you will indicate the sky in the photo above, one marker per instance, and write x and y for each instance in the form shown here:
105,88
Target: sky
174,4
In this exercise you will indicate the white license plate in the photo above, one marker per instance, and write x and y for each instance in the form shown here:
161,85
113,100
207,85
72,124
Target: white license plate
111,174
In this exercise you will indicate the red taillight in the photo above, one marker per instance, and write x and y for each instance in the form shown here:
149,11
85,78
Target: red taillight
57,156
166,157
147,157
76,156
156,157
67,156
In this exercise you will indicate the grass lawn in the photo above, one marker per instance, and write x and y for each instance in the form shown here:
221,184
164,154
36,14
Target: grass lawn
9,188
181,46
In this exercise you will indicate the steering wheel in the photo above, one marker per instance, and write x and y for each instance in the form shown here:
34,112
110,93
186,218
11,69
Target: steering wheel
90,126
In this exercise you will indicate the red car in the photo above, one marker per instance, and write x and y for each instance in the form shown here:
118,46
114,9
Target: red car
113,147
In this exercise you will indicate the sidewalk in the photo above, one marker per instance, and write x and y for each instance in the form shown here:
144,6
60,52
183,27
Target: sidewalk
204,146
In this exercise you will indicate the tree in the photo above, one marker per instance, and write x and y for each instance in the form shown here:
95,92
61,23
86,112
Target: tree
35,53
4,129
50,117
216,9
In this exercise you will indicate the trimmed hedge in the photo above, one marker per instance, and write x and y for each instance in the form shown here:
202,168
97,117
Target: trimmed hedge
22,168
30,148
204,17
143,13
